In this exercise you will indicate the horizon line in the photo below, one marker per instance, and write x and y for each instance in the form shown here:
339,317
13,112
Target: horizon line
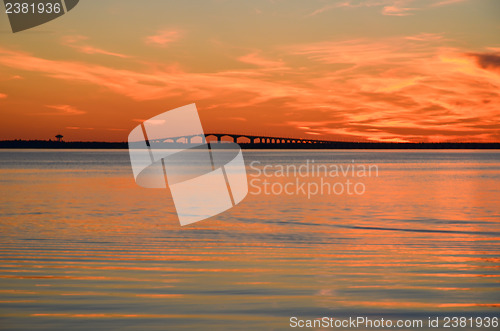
263,143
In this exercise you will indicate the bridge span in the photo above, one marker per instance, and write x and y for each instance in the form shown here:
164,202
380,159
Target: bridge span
241,138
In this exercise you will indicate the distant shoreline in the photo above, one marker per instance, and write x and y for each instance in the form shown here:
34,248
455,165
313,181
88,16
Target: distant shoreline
48,144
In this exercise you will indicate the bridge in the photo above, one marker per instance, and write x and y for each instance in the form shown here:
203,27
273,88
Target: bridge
237,138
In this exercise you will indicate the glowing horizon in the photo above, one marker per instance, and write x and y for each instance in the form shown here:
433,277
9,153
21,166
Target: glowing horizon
355,70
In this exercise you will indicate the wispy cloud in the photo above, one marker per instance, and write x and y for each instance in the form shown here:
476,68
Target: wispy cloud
3,96
164,37
388,7
427,37
241,119
446,2
78,128
78,42
255,58
65,110
406,88
397,10
156,84
91,129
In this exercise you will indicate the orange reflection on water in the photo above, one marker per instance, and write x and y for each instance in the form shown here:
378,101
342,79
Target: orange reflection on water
423,237
160,296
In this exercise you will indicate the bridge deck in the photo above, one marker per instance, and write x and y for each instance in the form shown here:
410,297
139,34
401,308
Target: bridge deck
254,139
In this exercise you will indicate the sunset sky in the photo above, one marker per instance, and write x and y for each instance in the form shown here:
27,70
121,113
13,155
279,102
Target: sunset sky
357,70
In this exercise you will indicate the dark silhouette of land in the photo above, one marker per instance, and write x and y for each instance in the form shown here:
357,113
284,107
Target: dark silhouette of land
50,144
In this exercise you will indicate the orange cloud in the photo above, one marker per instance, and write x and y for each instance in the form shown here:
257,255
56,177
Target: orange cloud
397,10
65,110
389,89
75,42
157,84
3,96
79,128
256,59
427,37
446,2
396,89
163,37
389,7
241,119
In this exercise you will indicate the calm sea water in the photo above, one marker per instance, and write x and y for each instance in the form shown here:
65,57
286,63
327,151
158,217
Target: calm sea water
82,247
